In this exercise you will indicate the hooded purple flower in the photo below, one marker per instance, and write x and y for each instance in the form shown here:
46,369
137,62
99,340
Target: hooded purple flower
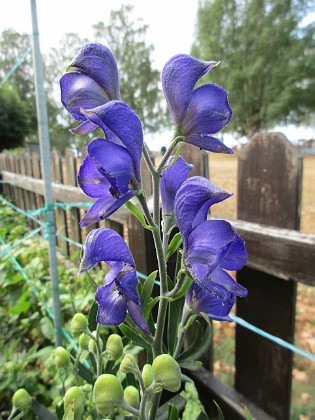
199,300
209,246
91,80
111,171
172,178
196,113
119,293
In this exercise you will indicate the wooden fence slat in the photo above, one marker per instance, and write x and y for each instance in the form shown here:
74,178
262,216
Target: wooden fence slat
268,193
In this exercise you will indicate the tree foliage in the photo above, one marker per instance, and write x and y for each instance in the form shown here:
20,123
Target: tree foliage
14,119
267,59
139,81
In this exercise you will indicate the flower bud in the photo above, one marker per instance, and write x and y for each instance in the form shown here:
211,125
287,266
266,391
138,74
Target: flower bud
166,373
84,341
76,395
129,364
21,399
147,375
62,357
107,394
114,347
79,324
131,396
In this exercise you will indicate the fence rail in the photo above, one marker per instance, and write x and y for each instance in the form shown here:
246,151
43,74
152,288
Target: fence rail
269,200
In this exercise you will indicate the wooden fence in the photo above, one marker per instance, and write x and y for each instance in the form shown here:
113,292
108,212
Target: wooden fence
269,198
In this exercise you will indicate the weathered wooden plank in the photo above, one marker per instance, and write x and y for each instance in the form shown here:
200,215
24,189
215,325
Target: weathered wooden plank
230,401
284,253
63,193
269,180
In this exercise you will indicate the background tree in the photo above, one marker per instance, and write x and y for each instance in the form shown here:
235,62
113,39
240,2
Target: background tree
267,59
15,123
139,82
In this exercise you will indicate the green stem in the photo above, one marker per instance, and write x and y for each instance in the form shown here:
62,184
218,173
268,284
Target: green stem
155,405
168,153
131,410
147,158
98,349
185,316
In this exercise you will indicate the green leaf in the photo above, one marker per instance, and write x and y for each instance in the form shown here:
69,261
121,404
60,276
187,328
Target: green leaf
60,410
21,306
190,365
138,214
85,373
200,344
69,413
146,310
147,287
47,328
174,245
92,317
220,414
173,413
41,411
175,314
133,336
247,413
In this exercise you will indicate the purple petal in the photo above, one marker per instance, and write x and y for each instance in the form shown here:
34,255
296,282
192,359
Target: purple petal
85,128
205,142
104,245
136,315
222,285
202,301
208,112
91,181
98,62
115,164
172,179
179,76
192,203
127,283
207,244
235,256
111,305
115,269
104,207
118,118
78,91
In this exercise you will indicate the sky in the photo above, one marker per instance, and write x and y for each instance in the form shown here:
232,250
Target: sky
171,30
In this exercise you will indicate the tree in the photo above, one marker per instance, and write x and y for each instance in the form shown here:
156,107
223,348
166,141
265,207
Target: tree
266,56
139,82
14,119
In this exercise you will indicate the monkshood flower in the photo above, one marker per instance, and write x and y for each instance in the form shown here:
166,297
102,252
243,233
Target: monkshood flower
199,300
196,113
209,246
172,178
111,171
119,294
91,80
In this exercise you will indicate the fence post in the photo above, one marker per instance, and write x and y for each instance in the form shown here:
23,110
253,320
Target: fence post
269,192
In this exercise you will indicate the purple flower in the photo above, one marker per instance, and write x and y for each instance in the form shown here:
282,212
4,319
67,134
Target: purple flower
209,246
91,80
119,293
199,300
111,171
172,178
196,113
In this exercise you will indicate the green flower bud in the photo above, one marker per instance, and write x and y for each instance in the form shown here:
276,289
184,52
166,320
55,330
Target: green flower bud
114,347
84,341
166,373
21,399
129,364
147,375
62,357
75,395
107,394
92,344
131,396
79,324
